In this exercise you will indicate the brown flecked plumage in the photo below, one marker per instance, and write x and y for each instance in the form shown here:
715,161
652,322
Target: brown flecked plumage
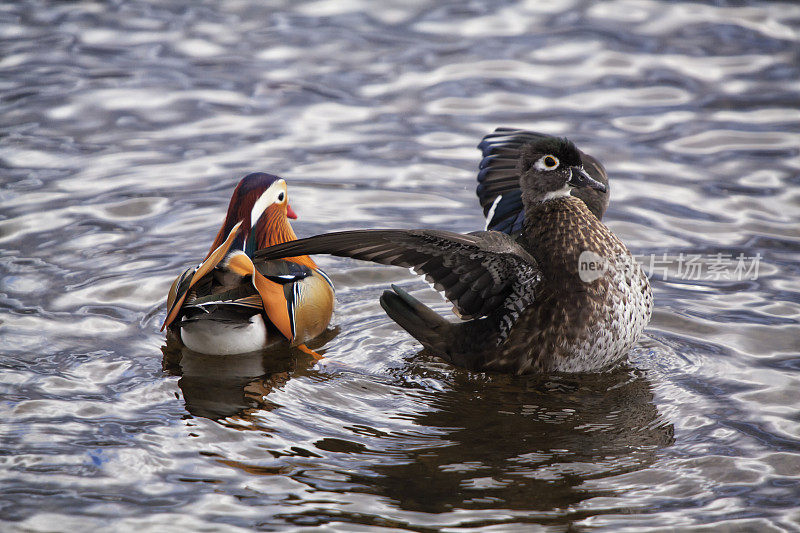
527,301
574,324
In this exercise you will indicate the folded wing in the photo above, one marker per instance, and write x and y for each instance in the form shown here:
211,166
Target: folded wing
191,277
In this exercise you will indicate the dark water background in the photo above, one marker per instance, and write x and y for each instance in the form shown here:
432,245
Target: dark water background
125,126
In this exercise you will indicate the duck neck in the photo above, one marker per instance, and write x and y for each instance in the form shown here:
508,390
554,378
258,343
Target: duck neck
556,232
275,229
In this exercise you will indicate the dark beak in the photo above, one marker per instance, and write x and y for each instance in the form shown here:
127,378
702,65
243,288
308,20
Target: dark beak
580,178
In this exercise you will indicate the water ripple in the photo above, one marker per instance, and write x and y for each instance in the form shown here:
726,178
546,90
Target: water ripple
127,125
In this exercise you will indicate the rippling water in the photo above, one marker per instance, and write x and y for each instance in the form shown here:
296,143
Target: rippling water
125,126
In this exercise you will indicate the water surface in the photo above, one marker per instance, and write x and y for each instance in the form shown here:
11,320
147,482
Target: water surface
127,125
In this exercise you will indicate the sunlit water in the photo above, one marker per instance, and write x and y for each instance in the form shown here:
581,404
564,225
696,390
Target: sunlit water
125,126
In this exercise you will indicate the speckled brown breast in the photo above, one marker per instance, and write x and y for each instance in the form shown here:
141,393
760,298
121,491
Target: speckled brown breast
575,325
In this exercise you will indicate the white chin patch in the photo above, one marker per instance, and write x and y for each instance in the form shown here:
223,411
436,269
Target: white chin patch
560,193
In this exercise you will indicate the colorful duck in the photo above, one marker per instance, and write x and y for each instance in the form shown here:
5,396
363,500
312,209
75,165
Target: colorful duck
230,303
548,288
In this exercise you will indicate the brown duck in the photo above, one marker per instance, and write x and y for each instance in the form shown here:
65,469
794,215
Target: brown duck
547,288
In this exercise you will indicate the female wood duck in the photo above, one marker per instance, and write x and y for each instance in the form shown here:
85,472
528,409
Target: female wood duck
554,290
231,303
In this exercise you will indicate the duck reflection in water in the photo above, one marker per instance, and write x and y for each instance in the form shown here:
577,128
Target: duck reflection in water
489,441
527,443
219,387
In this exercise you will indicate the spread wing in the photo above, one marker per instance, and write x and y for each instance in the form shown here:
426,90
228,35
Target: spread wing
478,272
498,180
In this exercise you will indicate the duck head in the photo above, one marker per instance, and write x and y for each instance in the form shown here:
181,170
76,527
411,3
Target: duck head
551,168
261,203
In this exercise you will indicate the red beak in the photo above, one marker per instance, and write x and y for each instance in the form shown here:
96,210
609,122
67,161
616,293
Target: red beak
290,212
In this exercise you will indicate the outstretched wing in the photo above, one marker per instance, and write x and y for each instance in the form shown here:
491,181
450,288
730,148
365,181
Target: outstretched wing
477,272
498,180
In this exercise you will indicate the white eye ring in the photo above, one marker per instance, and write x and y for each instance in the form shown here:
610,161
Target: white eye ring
267,198
547,162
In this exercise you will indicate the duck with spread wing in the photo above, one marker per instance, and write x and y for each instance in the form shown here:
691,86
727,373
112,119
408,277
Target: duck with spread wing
547,288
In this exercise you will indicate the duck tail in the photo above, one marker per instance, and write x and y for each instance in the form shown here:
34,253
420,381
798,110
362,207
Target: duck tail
422,322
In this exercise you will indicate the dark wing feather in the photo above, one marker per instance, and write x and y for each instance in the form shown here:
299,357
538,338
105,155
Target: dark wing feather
283,272
244,295
477,272
206,294
498,176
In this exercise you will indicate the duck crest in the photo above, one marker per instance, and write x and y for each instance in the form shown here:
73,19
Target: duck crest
272,226
240,207
548,145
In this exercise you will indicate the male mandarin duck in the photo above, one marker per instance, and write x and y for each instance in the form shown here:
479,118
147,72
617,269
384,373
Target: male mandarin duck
547,288
232,303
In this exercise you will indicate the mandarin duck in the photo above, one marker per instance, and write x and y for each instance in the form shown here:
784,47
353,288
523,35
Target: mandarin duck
232,303
546,288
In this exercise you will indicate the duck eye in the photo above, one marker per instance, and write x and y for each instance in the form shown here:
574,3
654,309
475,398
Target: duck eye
546,162
281,196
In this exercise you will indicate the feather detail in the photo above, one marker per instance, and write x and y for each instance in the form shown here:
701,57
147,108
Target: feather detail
272,295
274,228
204,268
312,301
275,304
